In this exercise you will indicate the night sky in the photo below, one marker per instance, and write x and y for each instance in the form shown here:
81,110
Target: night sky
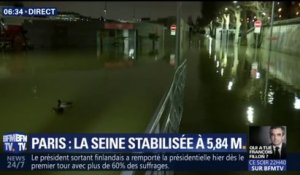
125,10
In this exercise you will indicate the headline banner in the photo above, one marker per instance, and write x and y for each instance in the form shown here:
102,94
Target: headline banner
155,152
89,143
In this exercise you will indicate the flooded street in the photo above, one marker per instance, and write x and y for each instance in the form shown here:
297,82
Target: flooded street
108,96
177,88
226,92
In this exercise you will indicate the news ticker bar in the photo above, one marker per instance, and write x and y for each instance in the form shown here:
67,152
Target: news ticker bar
89,143
124,161
145,161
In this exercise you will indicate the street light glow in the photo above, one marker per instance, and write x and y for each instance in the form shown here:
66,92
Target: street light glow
297,103
229,87
280,9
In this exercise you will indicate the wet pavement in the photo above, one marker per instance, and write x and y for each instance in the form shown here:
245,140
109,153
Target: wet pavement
223,83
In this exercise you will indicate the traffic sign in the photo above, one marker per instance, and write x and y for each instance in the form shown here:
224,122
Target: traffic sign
173,29
257,26
258,23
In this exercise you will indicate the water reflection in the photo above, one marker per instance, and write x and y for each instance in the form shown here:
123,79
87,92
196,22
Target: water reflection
271,95
250,114
246,76
297,103
31,83
230,85
226,92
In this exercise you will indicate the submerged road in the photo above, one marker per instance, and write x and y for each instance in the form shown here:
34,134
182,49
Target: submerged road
223,83
109,96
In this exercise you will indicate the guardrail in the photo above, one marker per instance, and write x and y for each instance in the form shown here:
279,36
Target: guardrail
167,116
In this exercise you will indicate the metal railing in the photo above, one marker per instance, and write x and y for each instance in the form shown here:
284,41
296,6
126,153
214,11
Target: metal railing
167,116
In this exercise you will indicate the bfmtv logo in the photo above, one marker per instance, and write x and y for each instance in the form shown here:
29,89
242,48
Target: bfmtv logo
14,142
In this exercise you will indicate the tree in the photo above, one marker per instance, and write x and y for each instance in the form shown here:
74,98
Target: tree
216,16
237,14
262,11
209,12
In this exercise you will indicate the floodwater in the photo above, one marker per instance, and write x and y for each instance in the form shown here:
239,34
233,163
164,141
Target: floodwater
109,95
120,96
230,89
